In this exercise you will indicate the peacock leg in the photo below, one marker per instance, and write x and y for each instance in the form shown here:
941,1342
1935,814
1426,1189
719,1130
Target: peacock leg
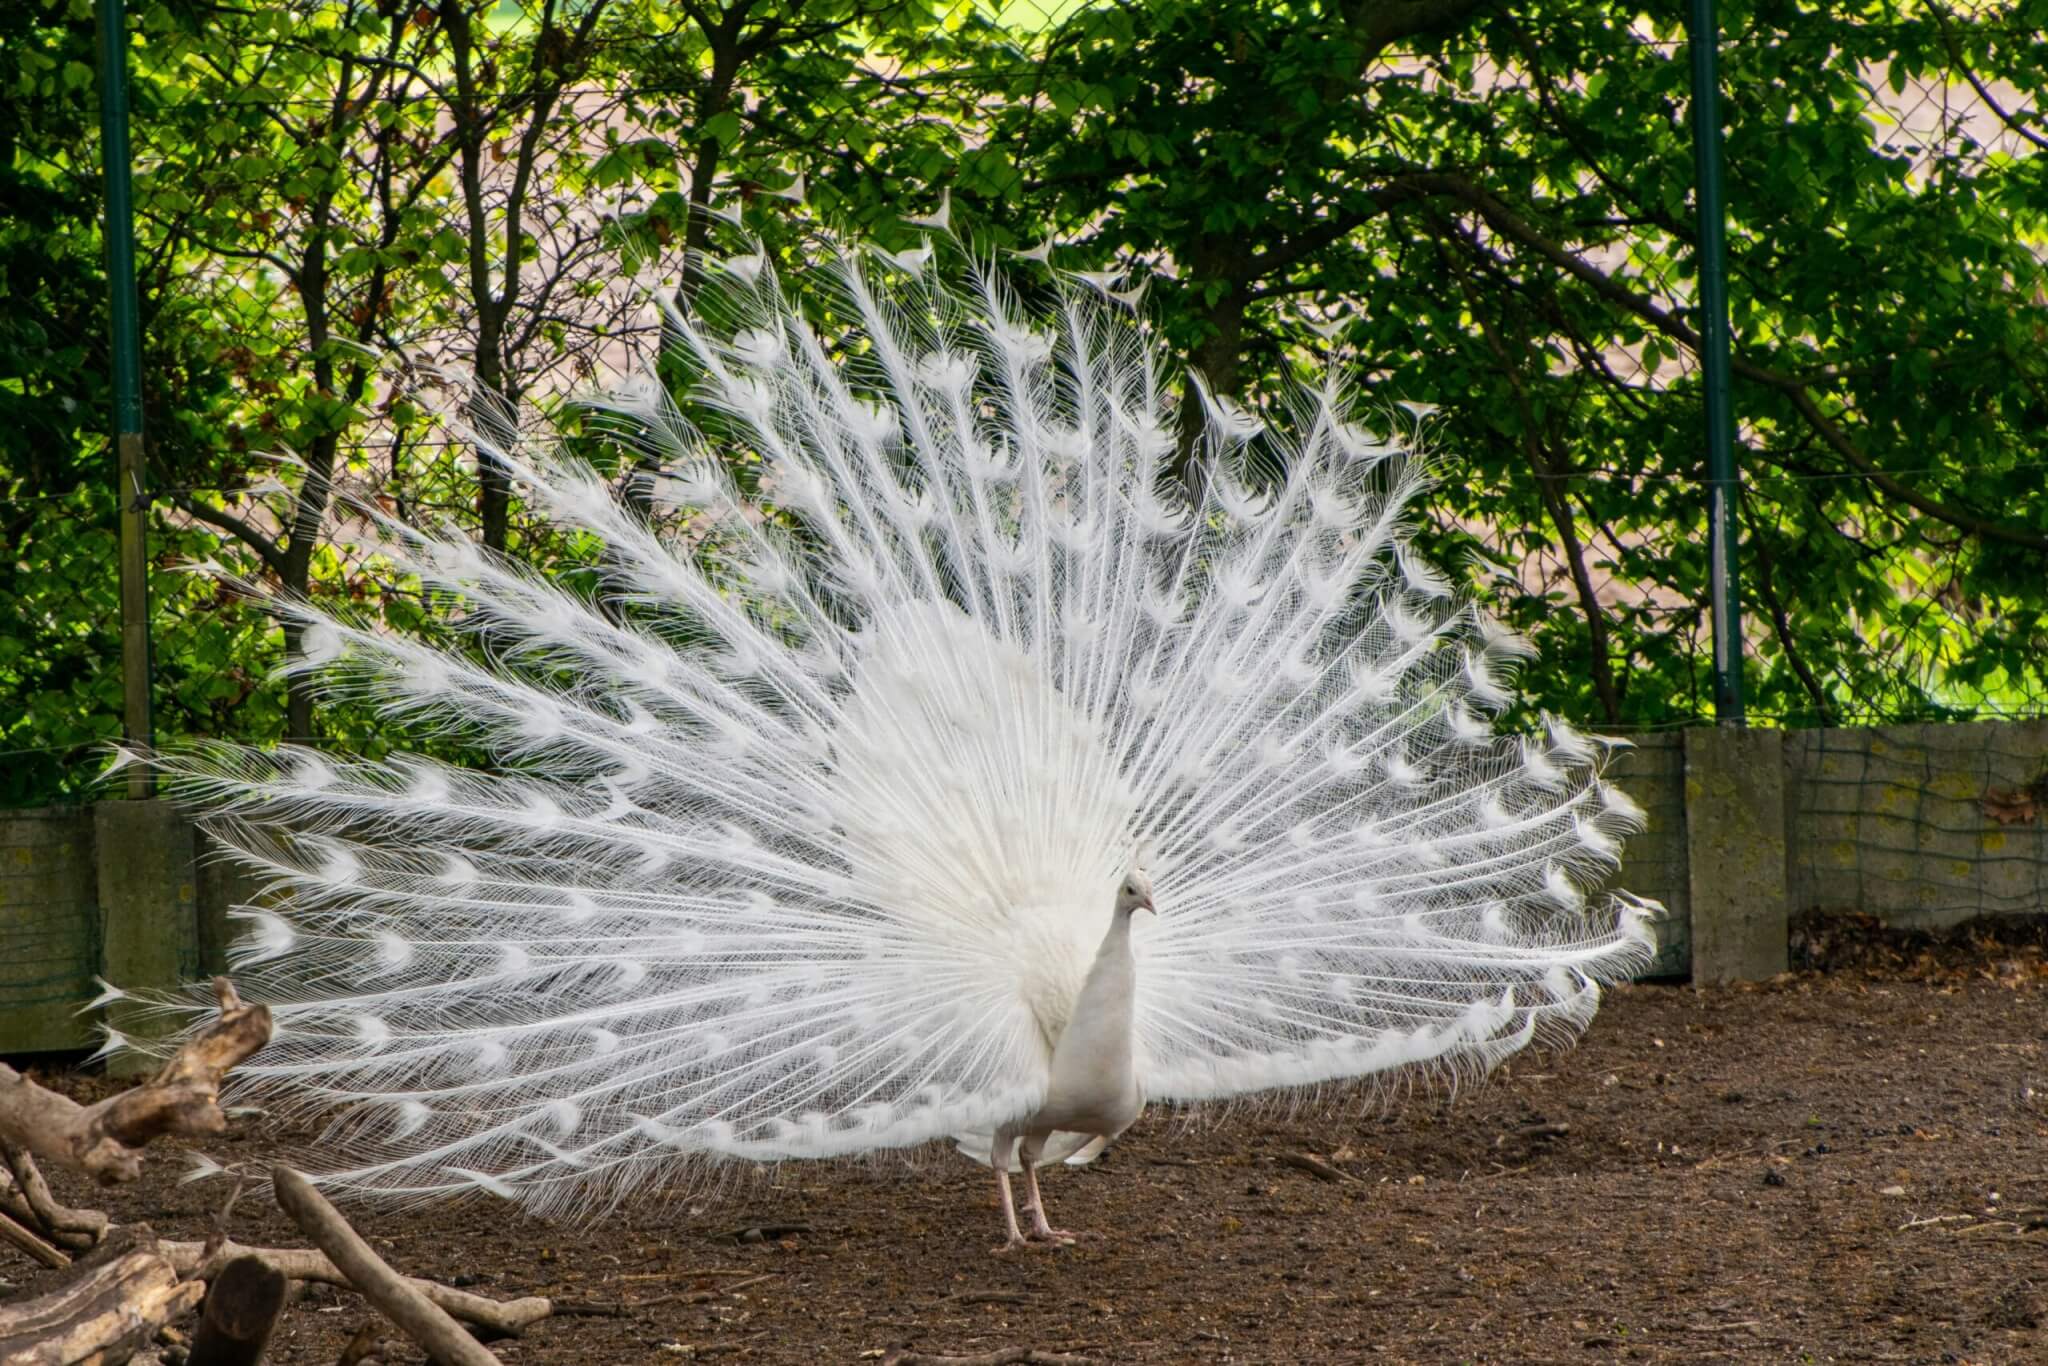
999,1158
1035,1201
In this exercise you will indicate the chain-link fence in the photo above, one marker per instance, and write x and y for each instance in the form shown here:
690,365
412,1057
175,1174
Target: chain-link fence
1593,528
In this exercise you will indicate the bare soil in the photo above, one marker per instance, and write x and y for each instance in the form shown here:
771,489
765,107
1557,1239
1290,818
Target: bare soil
1849,1165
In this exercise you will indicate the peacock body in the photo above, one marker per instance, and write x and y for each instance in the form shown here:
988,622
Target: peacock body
931,765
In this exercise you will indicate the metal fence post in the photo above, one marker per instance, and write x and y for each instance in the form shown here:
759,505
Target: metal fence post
131,492
1722,490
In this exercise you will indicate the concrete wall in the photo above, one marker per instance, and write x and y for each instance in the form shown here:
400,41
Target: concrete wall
1749,828
1894,821
49,929
1744,830
1655,863
118,890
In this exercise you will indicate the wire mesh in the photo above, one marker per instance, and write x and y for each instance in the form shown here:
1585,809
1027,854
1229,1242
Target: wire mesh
1923,826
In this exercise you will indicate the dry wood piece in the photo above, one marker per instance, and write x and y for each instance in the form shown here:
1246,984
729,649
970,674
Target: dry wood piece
371,1348
400,1300
77,1229
15,1233
494,1318
242,1305
767,1231
107,1314
361,1348
183,1098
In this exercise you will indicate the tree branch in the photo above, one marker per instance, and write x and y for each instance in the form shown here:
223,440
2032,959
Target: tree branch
398,1297
1511,225
1782,624
266,548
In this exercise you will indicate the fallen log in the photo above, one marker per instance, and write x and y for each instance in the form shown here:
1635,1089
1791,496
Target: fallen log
105,1314
104,1140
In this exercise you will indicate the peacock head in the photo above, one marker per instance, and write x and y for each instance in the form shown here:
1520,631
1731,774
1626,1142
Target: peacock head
1135,894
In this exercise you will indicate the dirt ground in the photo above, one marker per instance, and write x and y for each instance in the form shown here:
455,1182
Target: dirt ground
1848,1165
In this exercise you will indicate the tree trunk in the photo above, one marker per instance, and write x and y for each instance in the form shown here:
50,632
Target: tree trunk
309,515
486,420
1218,359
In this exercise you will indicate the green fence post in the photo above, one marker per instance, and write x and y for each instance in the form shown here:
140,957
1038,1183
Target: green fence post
131,490
1722,490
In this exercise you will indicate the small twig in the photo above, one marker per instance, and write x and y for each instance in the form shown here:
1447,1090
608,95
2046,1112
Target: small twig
1008,1356
1934,1219
1315,1166
751,1280
987,1297
683,1296
444,1339
1555,1130
217,1235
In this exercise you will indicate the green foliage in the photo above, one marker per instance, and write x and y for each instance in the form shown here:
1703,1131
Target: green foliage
1487,207
1496,202
60,681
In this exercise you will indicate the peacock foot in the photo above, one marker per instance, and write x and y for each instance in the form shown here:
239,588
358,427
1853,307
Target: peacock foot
1067,1237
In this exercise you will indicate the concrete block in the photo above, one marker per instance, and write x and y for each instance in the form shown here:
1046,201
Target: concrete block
225,885
1736,850
49,929
149,906
1653,860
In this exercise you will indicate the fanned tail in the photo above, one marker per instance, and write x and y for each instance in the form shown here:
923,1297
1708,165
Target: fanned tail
1364,876
796,838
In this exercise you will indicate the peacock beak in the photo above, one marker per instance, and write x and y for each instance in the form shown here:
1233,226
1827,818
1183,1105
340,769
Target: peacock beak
1147,904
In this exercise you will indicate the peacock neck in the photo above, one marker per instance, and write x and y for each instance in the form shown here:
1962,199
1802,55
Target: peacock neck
1113,960
1096,1039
